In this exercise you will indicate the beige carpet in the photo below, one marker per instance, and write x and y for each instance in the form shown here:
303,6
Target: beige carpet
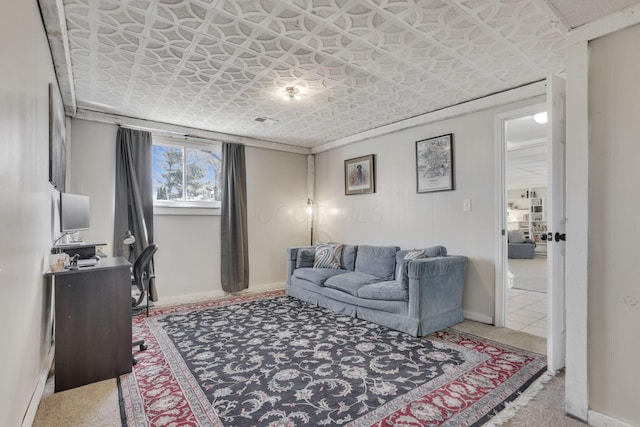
97,404
91,405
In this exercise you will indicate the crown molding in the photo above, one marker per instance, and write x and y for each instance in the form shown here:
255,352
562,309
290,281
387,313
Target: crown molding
183,132
53,18
527,91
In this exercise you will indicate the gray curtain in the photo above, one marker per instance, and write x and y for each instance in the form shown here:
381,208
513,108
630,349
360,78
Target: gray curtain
233,219
134,195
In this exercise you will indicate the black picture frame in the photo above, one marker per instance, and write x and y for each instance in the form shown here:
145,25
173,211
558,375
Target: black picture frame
360,175
57,149
434,164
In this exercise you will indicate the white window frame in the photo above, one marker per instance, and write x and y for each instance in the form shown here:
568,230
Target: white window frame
185,207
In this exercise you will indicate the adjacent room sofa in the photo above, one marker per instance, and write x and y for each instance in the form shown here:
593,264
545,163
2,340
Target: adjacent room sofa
520,247
417,292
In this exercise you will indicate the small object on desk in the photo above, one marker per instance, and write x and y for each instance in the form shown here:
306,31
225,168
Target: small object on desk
74,262
57,262
71,244
100,253
91,262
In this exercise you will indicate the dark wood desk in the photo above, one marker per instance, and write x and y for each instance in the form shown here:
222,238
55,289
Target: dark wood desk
92,323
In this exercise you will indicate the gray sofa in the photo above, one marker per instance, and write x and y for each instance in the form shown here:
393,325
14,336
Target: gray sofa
377,283
520,247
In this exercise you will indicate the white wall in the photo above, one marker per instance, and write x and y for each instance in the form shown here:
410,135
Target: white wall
614,200
26,210
397,215
188,261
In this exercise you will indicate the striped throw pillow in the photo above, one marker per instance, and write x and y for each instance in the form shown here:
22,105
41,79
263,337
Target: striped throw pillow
414,254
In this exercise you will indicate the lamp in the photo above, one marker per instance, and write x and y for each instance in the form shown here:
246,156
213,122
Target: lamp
310,212
291,93
129,239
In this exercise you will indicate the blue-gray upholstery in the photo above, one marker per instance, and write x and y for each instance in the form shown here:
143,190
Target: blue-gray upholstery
525,250
317,276
351,282
426,295
379,261
385,291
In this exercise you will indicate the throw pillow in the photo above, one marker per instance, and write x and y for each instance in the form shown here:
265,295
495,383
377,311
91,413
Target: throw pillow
328,256
414,254
305,258
516,236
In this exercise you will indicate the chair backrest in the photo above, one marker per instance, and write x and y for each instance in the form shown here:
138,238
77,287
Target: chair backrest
142,263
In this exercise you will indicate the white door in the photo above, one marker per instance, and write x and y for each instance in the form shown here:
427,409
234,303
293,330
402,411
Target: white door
556,223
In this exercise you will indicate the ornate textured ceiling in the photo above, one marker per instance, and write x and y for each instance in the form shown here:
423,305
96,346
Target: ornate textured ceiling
359,64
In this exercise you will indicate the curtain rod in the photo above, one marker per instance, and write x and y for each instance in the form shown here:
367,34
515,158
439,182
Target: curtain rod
194,133
176,135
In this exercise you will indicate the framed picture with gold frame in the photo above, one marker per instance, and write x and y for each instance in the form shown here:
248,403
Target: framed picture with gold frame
359,175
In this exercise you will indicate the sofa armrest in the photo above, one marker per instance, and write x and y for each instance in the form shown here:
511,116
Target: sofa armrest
292,257
436,286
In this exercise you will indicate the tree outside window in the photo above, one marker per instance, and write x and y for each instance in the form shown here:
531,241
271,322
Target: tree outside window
185,175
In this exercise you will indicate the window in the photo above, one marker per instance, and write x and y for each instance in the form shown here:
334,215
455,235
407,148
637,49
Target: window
186,174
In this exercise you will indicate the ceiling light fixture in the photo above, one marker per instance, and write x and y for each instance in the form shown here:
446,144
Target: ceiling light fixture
540,118
291,93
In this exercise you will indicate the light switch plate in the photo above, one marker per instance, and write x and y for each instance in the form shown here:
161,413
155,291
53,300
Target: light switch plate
466,205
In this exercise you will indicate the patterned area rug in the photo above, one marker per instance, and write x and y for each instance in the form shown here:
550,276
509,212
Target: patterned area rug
271,360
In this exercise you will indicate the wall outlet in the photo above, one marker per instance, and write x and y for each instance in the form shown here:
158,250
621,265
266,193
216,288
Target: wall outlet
466,205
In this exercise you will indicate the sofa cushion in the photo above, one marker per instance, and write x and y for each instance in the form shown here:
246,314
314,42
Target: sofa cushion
317,276
328,256
379,261
305,258
386,291
434,251
351,282
348,261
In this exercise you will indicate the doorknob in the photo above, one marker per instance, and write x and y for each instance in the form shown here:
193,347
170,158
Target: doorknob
559,237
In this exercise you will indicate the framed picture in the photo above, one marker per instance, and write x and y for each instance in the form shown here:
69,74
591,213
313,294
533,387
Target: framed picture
434,164
57,151
359,175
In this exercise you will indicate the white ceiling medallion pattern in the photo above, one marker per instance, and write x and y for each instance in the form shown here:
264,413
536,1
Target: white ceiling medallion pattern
219,64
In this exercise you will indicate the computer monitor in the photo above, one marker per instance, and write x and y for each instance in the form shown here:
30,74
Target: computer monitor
74,212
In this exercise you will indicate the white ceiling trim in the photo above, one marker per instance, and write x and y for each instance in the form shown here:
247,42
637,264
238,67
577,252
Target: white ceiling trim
556,19
513,95
55,26
608,24
182,132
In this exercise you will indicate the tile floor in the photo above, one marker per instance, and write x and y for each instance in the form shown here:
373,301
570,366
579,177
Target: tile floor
527,312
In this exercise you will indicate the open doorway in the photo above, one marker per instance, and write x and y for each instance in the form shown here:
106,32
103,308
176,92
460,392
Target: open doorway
526,183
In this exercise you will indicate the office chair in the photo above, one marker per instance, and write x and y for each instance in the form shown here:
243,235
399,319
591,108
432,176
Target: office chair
141,279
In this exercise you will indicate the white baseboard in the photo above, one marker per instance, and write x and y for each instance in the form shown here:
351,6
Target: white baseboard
482,318
30,414
597,419
191,298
